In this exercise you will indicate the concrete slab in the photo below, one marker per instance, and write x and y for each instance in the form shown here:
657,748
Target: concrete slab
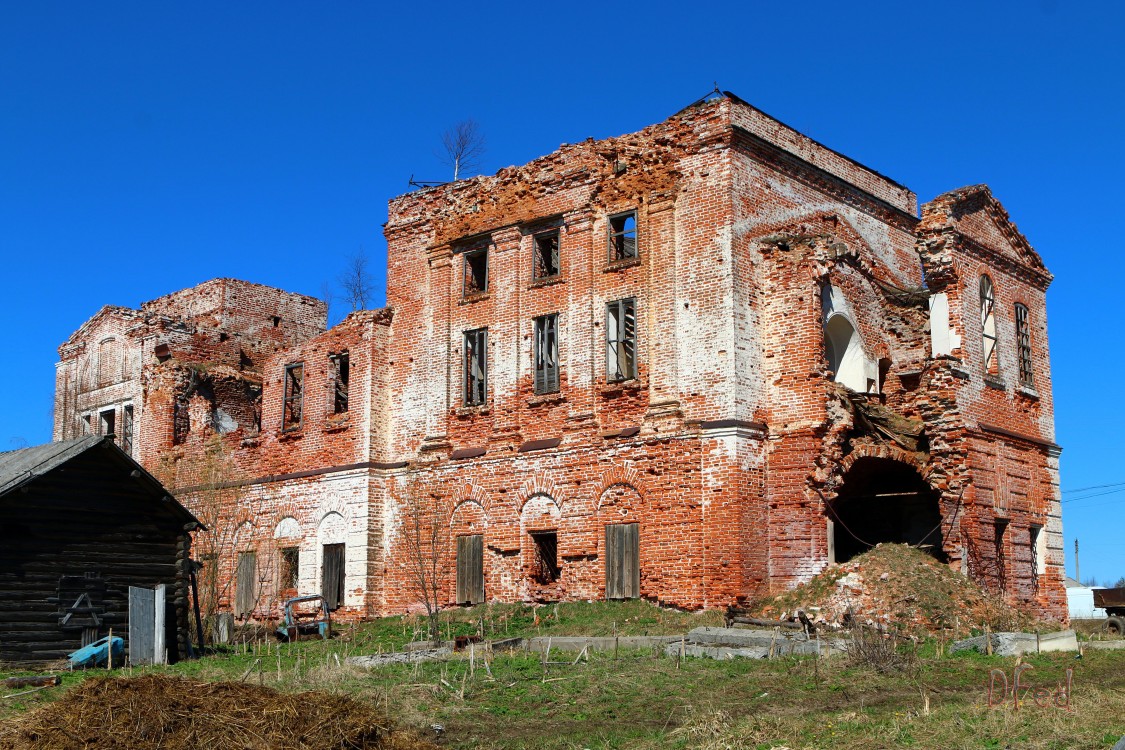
1016,644
400,657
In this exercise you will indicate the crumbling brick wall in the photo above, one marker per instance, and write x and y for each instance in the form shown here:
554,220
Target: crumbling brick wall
728,443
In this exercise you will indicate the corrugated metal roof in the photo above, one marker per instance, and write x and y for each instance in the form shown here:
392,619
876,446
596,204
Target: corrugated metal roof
19,467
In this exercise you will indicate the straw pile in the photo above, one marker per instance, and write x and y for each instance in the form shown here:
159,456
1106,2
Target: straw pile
173,713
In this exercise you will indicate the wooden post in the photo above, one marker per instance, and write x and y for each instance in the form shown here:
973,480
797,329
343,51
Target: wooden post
987,640
109,641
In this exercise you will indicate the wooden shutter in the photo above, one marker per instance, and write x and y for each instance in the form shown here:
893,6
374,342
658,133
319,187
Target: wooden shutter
470,569
332,576
622,561
246,580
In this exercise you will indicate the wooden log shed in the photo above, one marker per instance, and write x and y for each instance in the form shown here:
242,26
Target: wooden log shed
81,522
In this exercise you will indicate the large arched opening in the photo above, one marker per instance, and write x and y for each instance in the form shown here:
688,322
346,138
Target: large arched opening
883,500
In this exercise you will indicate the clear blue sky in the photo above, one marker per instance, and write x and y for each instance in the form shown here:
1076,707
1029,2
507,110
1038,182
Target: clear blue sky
148,146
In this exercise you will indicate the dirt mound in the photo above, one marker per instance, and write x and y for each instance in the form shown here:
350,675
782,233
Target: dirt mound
897,586
173,713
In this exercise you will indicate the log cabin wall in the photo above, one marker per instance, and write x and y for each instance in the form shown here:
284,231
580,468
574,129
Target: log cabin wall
81,534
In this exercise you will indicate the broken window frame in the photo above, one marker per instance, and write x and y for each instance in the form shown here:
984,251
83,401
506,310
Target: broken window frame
1023,346
546,353
340,371
546,260
619,234
293,399
288,567
127,428
545,568
475,367
621,340
988,325
474,278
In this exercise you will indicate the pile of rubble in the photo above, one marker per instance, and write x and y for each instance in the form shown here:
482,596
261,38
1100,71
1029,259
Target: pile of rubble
895,586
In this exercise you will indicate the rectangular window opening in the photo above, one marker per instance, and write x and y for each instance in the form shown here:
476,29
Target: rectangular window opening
1023,345
545,566
1000,530
107,423
476,272
340,372
289,559
294,395
470,569
547,354
546,255
621,340
1038,542
623,236
476,367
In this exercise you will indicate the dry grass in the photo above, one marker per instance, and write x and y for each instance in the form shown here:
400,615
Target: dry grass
173,713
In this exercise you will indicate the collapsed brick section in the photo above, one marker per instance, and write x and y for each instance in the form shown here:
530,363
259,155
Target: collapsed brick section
698,364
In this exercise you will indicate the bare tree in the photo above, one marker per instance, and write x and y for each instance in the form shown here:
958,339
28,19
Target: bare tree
357,282
463,147
425,537
327,296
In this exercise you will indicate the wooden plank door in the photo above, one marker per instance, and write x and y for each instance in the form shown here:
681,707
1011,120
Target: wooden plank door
470,569
622,561
246,580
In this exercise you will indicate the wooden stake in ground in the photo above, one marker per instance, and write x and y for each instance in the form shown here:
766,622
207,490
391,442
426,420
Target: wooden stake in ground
109,661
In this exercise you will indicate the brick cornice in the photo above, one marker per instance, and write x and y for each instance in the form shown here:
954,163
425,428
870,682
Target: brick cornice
821,179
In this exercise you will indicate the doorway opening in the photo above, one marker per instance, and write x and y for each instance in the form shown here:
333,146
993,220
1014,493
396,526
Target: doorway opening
883,500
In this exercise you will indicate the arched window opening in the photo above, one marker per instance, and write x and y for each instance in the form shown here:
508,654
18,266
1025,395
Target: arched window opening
988,324
883,500
844,351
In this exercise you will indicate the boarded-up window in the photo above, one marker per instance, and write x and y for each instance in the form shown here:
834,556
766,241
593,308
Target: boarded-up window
545,565
470,569
332,578
246,584
288,565
622,561
547,354
294,392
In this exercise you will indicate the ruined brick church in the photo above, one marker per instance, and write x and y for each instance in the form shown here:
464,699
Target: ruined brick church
694,364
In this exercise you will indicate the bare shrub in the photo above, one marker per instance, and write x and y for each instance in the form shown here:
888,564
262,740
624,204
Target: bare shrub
871,649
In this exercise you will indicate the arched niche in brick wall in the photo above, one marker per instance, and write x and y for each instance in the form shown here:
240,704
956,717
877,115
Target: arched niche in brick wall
468,517
884,500
287,528
332,529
